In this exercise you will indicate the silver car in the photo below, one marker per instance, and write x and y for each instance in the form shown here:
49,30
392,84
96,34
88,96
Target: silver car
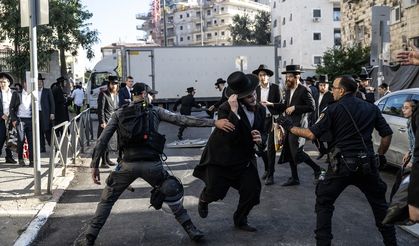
391,108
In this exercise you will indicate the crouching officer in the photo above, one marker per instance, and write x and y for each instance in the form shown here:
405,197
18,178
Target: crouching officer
142,146
351,122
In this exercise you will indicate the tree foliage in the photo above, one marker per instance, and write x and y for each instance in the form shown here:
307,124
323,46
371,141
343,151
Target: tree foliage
244,32
344,60
67,30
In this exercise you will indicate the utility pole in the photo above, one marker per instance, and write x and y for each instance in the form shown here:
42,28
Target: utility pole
164,23
202,23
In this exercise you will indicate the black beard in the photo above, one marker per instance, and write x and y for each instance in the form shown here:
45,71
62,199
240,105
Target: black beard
251,108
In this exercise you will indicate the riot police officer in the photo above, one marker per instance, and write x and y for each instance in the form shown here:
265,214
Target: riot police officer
351,122
142,146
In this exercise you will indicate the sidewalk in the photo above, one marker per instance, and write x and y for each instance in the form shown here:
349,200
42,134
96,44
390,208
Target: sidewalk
19,206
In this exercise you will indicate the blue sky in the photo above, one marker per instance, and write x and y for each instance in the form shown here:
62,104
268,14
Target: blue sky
115,21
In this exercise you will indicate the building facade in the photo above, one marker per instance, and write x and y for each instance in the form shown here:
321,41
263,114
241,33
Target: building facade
304,30
403,24
199,22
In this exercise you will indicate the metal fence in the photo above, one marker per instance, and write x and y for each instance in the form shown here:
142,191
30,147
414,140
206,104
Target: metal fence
69,139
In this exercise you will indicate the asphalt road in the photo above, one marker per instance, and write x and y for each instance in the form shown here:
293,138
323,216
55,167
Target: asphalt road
285,215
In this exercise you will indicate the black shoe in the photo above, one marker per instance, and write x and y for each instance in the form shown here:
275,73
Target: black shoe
269,180
202,209
194,233
22,162
246,227
10,160
291,181
265,174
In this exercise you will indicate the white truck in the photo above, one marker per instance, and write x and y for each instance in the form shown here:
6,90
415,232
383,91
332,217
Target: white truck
170,70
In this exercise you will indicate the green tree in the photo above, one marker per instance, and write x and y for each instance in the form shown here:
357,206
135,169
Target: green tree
67,30
344,60
262,28
241,30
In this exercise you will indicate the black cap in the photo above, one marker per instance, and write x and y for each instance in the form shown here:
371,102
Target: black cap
140,87
113,79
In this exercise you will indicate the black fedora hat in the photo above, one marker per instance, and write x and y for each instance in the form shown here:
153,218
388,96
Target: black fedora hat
40,77
293,69
190,89
264,68
241,84
60,79
364,74
7,76
323,79
220,81
310,79
113,79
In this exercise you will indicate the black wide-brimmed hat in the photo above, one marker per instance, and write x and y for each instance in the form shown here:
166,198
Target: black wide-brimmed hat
296,69
140,87
40,77
264,68
220,81
311,79
190,89
323,79
364,74
113,79
7,76
60,79
241,84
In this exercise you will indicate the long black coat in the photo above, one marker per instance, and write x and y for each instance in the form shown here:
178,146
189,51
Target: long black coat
273,96
231,148
48,107
105,108
327,99
304,104
186,104
61,110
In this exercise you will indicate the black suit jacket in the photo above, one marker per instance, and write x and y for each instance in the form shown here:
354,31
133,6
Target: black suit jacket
48,107
186,104
274,96
14,105
222,99
232,148
327,99
105,106
123,96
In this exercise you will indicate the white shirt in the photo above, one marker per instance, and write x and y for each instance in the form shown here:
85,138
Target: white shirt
78,96
6,98
250,115
321,97
24,110
264,92
39,99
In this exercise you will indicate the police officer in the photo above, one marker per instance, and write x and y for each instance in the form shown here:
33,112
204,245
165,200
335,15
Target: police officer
141,144
351,122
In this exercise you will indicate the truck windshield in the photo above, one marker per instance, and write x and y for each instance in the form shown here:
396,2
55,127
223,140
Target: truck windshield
99,79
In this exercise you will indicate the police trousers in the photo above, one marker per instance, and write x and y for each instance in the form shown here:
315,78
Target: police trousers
118,181
329,189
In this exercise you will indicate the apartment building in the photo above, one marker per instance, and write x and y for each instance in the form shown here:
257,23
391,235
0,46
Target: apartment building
304,30
199,22
402,24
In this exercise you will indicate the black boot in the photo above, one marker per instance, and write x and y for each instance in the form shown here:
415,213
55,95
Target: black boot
202,209
194,233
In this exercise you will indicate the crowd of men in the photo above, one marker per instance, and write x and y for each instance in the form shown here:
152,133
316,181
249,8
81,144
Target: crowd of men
16,114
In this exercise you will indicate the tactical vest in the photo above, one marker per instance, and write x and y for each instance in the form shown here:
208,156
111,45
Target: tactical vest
137,134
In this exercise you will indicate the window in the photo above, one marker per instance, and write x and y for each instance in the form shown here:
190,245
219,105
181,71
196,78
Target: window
394,105
317,60
292,61
198,37
180,16
198,25
359,31
188,38
187,14
209,12
222,21
181,39
215,33
317,13
317,36
209,23
415,41
283,21
291,41
290,17
222,8
198,13
209,35
284,44
274,5
337,37
275,23
215,22
395,15
180,27
336,14
285,64
222,33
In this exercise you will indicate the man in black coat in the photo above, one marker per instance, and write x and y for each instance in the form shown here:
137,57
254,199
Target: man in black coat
268,94
186,104
298,104
46,112
219,85
5,98
229,159
60,100
323,99
107,103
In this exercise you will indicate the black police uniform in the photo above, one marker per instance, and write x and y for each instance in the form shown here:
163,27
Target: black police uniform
349,151
140,160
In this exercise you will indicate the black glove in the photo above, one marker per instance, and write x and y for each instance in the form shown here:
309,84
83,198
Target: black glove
284,122
383,161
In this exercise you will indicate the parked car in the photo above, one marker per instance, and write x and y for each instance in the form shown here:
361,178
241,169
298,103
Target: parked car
391,108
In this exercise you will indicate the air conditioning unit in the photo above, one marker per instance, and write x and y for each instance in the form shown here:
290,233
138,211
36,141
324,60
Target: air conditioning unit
316,19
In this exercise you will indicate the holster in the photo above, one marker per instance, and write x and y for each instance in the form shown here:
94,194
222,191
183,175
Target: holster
157,198
345,165
156,141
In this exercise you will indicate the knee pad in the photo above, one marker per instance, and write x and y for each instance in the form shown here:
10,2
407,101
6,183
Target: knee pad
172,188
